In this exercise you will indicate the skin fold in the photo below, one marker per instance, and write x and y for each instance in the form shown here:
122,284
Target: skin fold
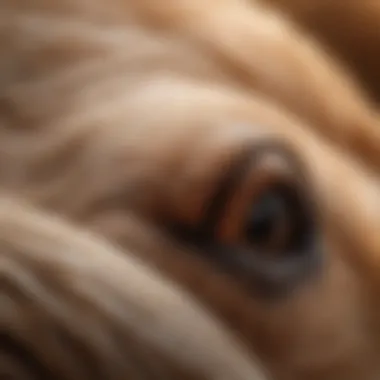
139,133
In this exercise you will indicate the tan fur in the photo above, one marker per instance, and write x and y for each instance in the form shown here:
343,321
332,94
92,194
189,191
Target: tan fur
127,320
349,29
121,117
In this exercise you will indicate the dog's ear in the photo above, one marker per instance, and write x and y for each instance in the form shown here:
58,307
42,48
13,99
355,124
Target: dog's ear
349,30
73,305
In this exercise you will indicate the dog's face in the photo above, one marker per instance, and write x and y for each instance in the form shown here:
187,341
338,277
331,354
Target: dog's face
219,146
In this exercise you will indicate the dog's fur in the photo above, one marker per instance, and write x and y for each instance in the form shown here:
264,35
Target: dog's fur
121,118
348,29
92,311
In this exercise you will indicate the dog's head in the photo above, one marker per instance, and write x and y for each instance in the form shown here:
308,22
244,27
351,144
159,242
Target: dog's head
227,153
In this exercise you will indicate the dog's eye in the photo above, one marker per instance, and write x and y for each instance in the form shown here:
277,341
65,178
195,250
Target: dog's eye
260,224
276,222
268,239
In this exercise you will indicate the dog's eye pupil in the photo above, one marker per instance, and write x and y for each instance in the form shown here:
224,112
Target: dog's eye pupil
264,218
274,222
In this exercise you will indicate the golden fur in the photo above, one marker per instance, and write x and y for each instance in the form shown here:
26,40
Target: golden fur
86,299
121,117
348,29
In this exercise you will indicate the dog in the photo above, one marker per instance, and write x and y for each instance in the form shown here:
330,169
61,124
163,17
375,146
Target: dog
222,171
